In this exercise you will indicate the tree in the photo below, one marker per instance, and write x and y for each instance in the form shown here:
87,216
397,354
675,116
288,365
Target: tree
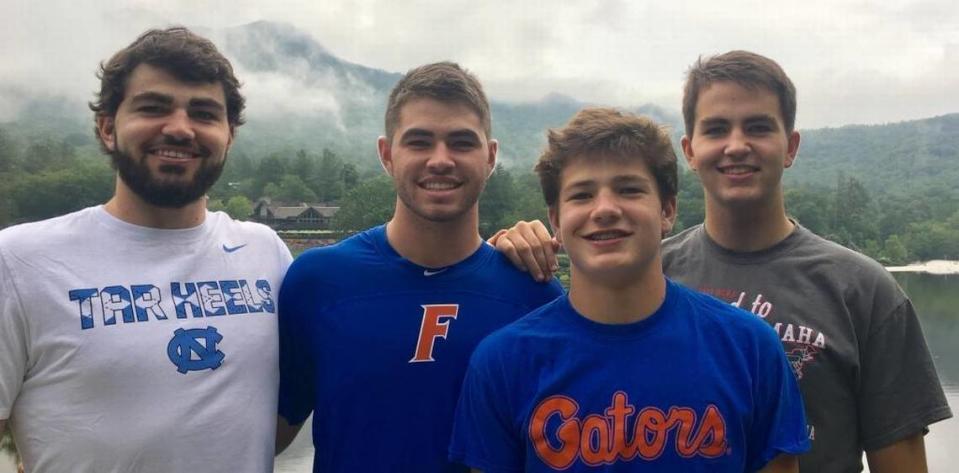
370,203
239,207
291,189
497,201
329,177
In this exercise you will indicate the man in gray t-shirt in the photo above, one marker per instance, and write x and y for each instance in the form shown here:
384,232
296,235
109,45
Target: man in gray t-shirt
849,332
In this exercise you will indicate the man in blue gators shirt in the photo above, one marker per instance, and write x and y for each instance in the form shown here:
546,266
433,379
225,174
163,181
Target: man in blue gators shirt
630,372
376,331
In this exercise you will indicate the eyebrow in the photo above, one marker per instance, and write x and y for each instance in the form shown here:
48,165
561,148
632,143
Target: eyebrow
168,99
422,132
751,118
617,180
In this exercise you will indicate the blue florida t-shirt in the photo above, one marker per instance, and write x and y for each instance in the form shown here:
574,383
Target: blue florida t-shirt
377,347
697,386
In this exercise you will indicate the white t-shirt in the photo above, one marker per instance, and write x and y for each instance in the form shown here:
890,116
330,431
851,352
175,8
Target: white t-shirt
133,349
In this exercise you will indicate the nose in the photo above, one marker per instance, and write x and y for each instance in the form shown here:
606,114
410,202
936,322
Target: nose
737,144
606,208
440,160
179,126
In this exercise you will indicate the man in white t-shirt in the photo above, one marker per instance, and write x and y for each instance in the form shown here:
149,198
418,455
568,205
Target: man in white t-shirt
140,335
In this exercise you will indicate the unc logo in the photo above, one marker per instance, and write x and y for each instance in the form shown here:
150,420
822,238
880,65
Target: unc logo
186,343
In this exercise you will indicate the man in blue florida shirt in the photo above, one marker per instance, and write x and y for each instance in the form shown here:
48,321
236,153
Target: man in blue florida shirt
630,372
376,331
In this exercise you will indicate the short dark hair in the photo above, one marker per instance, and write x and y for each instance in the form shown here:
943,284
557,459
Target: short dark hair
178,51
745,68
443,81
606,133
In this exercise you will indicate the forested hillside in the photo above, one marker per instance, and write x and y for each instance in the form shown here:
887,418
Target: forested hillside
888,190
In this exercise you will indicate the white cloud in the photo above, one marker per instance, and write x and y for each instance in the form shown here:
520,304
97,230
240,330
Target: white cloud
852,61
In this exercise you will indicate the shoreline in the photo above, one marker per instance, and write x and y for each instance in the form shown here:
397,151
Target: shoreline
939,267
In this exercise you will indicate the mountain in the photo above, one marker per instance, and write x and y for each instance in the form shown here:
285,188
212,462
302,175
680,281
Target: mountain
302,96
900,157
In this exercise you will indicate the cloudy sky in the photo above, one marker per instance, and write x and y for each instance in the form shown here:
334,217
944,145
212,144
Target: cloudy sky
852,61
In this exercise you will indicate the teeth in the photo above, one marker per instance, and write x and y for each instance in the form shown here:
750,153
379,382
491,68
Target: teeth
439,186
605,236
169,153
737,169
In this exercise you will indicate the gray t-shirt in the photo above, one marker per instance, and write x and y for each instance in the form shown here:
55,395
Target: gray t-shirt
848,330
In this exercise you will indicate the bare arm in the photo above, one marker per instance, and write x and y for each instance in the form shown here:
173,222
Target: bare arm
285,433
782,464
908,454
529,246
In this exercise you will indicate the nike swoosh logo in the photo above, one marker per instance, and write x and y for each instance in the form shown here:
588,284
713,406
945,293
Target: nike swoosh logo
433,272
232,249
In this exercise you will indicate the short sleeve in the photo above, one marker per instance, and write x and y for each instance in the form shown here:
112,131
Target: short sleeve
296,362
900,392
779,425
483,434
13,341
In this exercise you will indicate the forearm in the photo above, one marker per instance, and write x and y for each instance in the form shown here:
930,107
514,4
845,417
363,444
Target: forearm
908,454
782,464
285,433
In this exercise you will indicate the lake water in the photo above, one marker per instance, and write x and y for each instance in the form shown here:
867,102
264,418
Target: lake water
937,301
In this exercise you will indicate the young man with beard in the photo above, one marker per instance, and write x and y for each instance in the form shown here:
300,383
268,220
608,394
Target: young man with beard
851,334
376,331
630,372
140,335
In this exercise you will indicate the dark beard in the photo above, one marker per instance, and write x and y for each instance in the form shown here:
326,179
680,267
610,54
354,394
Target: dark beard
137,176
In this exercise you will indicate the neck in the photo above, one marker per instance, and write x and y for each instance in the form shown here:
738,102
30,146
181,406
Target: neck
610,303
126,205
433,244
748,228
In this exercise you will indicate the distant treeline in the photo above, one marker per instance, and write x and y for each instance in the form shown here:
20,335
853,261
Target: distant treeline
42,177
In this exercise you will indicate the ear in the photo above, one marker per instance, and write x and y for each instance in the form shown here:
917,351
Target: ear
553,213
687,146
491,159
792,149
386,154
668,218
106,127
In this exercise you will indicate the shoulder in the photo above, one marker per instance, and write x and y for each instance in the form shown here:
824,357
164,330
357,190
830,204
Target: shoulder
46,235
829,260
513,340
500,275
681,243
353,255
723,319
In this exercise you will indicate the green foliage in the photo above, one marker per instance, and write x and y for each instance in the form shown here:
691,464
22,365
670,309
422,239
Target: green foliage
239,207
370,203
6,443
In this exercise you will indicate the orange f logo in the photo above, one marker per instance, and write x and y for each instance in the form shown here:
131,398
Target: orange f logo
433,327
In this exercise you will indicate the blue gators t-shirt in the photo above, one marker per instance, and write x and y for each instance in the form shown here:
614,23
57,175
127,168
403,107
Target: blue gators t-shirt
377,347
697,386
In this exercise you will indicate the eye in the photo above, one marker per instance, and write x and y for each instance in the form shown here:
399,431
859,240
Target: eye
463,145
632,190
714,130
582,195
205,115
151,109
760,128
418,144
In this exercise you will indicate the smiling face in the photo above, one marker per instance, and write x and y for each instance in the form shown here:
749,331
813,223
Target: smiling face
169,138
610,219
439,158
740,146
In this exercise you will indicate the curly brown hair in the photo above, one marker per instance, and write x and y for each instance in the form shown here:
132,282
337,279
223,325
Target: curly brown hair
606,133
178,51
